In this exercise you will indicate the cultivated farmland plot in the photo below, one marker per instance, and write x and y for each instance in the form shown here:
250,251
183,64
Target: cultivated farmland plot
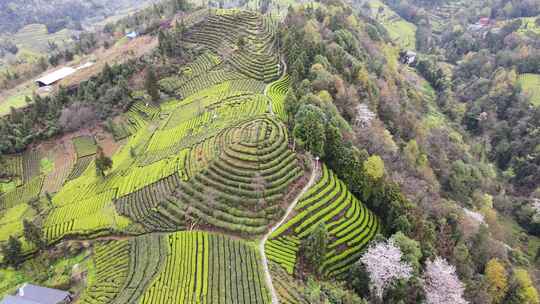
208,268
349,223
84,146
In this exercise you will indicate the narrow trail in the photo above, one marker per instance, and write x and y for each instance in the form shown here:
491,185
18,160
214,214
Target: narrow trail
268,277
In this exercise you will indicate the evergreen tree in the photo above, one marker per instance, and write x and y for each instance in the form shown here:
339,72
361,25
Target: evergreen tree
103,163
164,43
179,5
12,252
107,75
241,43
315,247
151,84
298,70
33,234
291,104
309,129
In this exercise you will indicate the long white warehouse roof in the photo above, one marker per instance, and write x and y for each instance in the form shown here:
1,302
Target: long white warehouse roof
56,75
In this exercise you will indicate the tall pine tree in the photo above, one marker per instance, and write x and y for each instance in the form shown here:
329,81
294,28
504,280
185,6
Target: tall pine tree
103,163
12,252
151,84
33,234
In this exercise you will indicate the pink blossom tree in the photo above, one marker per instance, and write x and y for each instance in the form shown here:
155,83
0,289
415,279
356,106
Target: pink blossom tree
441,284
384,266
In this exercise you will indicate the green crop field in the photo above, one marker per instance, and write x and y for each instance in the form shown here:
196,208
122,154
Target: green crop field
7,186
84,146
10,223
208,268
530,83
277,92
16,99
109,271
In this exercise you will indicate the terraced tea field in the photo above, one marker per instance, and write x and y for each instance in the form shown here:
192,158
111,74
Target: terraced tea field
207,268
349,223
197,182
35,37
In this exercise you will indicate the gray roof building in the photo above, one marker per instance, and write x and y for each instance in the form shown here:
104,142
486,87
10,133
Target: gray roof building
32,294
17,300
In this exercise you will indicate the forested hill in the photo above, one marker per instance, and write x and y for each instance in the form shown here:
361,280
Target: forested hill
56,14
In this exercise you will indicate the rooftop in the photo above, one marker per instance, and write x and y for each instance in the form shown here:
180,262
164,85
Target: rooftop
32,294
55,76
17,300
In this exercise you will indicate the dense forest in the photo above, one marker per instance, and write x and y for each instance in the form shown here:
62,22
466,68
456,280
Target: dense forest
482,157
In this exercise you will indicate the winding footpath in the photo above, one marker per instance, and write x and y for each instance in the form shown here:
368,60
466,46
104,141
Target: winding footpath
267,276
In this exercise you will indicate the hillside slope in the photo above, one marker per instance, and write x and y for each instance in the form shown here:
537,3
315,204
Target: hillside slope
195,181
56,14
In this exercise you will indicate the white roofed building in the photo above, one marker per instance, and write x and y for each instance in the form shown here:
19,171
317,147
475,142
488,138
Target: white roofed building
55,76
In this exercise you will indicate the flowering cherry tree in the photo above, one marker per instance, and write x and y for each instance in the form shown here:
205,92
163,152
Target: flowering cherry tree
441,284
384,266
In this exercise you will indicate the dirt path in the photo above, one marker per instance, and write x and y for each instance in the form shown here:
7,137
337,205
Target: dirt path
267,276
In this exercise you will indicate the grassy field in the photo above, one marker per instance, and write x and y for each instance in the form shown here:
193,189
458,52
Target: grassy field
42,272
17,99
401,32
7,186
530,83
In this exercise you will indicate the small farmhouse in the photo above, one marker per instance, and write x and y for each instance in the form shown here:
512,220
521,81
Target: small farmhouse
481,24
484,21
408,57
132,35
32,294
55,76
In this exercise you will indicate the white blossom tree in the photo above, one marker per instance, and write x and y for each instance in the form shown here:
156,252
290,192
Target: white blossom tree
384,266
441,284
